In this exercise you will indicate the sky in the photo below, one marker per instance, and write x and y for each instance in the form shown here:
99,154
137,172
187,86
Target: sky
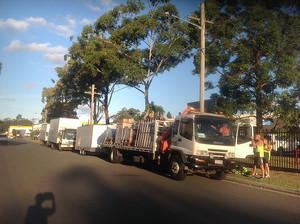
34,37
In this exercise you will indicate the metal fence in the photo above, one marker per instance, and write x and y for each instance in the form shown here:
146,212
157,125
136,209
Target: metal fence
285,151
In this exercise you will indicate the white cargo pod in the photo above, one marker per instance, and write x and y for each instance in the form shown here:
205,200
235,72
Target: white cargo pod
62,132
89,138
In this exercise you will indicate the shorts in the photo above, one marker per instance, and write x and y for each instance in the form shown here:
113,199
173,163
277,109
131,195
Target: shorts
258,161
266,160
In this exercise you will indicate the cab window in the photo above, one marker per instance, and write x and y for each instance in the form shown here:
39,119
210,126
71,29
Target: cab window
175,128
186,128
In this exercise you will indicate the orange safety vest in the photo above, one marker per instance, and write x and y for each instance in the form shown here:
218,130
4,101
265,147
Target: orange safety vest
225,131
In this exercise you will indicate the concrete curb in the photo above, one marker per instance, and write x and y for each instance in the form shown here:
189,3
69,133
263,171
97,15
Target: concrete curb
263,185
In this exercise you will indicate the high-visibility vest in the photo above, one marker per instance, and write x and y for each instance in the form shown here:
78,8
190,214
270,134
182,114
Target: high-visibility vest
225,130
260,150
265,150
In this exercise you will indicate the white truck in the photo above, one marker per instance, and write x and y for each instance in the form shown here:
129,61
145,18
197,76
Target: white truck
44,134
195,143
89,138
281,142
62,133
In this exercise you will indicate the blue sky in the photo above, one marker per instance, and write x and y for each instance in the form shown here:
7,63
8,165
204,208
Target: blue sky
36,34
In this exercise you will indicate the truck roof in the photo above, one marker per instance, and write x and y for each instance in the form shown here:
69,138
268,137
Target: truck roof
193,114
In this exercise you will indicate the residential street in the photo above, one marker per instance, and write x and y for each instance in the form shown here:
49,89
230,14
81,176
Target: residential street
89,189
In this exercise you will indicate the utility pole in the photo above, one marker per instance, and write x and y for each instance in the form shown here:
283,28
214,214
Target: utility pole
46,114
202,21
92,101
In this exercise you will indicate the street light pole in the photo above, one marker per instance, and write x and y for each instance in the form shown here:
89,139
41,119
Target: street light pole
202,50
202,61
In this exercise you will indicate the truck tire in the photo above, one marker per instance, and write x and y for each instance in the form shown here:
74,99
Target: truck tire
177,168
52,146
59,147
113,156
219,175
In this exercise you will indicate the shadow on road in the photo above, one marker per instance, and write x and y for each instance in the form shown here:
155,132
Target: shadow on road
16,142
120,197
43,208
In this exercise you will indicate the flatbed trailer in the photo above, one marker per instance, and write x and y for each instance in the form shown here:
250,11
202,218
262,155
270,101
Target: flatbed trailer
194,144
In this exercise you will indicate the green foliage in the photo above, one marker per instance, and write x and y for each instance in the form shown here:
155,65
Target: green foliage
169,115
92,61
127,114
34,134
59,100
254,45
148,41
16,132
5,123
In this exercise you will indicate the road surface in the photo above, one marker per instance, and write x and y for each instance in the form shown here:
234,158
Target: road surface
89,189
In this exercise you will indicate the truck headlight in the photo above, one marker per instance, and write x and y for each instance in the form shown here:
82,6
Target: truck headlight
202,153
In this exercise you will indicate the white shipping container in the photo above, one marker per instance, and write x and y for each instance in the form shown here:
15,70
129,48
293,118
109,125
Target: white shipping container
89,137
44,132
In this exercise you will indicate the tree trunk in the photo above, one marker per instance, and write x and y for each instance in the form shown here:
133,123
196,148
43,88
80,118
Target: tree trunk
146,96
259,118
106,107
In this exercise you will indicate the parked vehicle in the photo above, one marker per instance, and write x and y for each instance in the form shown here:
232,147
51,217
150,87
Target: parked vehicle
193,142
281,142
62,133
89,138
3,139
44,134
243,142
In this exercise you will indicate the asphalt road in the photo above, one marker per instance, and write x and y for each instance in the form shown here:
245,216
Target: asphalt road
88,189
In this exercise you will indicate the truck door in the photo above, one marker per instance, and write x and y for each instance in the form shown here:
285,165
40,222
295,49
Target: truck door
182,135
243,146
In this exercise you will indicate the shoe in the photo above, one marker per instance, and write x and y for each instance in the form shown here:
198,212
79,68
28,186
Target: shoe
268,176
251,176
262,178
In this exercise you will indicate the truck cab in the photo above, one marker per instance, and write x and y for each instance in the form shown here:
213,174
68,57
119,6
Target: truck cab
67,138
204,141
244,147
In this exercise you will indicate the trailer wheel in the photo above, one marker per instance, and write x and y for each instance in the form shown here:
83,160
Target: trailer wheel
219,175
113,156
177,168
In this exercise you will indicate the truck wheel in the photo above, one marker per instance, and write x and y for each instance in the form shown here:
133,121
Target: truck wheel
219,175
113,156
52,146
60,148
177,168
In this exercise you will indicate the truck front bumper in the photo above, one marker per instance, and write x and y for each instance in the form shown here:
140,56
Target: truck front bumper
212,163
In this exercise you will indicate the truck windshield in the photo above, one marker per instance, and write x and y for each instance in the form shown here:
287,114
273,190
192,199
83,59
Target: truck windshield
70,134
216,131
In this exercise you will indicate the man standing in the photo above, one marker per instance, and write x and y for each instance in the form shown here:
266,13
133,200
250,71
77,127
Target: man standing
258,155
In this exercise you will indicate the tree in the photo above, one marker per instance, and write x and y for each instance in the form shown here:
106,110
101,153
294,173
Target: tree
0,66
127,114
169,115
149,41
254,45
59,101
154,111
92,61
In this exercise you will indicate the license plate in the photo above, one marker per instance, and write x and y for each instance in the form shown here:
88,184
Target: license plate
220,162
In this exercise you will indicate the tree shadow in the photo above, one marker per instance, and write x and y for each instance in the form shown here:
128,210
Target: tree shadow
16,142
43,208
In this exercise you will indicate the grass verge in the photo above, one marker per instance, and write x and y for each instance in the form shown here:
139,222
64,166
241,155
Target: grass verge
278,178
